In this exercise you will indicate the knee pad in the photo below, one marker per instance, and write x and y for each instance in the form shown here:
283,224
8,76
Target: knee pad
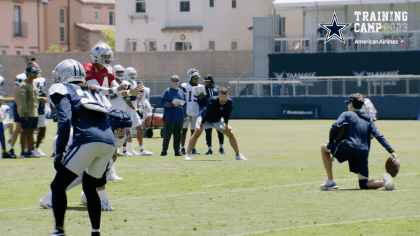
363,183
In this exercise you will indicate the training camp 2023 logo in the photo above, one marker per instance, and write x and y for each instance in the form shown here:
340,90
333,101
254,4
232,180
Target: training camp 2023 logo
370,22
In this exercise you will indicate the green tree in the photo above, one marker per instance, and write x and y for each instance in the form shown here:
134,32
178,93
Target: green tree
109,35
55,48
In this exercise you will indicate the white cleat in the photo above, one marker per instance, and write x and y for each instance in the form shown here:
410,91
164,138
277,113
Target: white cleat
35,154
388,184
41,152
329,185
114,178
46,201
83,199
145,153
127,154
187,157
240,157
136,154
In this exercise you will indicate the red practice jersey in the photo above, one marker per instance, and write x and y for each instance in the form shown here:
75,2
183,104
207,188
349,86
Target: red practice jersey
104,77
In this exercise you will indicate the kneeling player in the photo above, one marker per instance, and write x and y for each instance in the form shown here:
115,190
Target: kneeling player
120,122
216,115
355,147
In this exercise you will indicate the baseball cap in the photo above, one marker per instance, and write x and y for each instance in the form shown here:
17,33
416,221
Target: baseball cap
175,78
208,78
354,101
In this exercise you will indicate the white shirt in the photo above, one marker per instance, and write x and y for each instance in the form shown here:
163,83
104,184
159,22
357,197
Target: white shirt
5,114
118,102
192,100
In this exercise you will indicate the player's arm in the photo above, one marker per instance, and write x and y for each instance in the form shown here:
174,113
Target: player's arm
381,139
226,114
16,95
335,128
64,113
127,101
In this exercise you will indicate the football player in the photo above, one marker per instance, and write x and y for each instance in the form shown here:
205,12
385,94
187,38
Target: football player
131,76
193,108
211,90
216,115
3,116
1,79
355,147
5,111
120,122
39,83
93,140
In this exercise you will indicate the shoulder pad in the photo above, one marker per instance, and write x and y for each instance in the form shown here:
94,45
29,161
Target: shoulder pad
58,88
110,70
88,66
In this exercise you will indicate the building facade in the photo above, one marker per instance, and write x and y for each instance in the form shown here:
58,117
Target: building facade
181,25
30,26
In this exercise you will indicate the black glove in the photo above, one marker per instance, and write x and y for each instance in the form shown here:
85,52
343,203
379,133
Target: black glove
140,114
58,161
55,118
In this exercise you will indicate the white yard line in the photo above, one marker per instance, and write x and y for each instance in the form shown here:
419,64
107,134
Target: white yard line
326,224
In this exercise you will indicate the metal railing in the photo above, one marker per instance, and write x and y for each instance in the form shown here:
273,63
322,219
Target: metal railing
19,29
383,41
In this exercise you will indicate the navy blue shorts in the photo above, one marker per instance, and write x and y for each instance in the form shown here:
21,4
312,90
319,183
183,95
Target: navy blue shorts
32,123
15,114
358,160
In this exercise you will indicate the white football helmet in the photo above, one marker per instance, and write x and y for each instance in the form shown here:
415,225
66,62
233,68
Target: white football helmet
119,71
191,73
130,73
69,70
102,54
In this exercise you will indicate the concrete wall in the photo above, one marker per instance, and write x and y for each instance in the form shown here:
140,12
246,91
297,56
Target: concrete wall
149,65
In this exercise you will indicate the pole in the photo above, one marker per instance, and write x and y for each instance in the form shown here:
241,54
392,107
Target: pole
68,25
37,21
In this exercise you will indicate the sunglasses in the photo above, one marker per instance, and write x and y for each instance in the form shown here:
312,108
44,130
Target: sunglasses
224,93
175,80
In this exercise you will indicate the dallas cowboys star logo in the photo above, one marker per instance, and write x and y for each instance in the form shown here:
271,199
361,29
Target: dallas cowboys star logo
335,30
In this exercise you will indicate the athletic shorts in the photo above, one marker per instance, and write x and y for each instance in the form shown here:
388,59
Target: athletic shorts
191,120
42,121
220,125
32,123
358,160
90,157
135,118
15,114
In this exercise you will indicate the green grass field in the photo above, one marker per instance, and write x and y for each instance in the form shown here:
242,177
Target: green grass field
275,192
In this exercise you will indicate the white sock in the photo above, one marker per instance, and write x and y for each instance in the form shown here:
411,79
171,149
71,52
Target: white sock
26,150
141,148
182,147
209,147
95,230
125,149
221,145
130,146
36,149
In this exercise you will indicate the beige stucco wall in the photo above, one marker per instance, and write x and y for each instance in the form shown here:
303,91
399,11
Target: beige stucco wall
149,65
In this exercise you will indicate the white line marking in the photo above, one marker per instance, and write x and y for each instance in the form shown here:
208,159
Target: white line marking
326,224
158,183
212,185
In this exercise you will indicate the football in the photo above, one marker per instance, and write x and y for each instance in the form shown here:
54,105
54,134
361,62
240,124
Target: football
391,168
340,135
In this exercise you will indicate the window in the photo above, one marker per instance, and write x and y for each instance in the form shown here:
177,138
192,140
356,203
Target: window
212,45
61,13
234,45
17,31
233,3
183,46
62,36
96,14
211,3
152,46
140,6
185,6
31,52
3,52
112,18
17,52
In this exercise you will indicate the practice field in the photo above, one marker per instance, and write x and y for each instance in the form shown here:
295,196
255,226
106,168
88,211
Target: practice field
275,192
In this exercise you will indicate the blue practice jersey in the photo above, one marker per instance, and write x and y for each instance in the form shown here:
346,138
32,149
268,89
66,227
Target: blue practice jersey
214,111
210,92
85,110
358,132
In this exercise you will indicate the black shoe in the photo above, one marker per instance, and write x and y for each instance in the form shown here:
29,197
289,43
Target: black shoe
53,154
162,153
25,155
12,152
183,151
7,155
57,232
210,152
195,152
96,234
177,154
222,152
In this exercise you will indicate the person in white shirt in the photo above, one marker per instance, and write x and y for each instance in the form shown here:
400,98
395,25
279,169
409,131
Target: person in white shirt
193,109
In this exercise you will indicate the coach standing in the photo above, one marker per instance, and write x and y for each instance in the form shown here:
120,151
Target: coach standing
174,115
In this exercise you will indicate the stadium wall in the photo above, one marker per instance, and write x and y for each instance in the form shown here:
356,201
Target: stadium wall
390,107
